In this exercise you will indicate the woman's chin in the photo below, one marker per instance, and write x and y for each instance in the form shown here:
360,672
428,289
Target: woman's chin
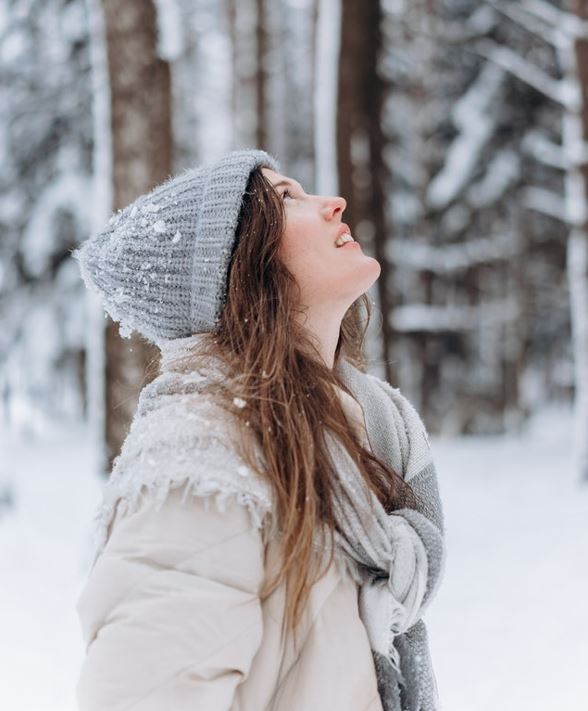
363,280
377,265
374,264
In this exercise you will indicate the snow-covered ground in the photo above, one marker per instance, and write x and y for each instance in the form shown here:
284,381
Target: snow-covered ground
44,555
508,629
509,626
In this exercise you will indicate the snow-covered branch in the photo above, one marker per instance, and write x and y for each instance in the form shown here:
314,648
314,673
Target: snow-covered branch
472,116
425,317
480,23
570,24
502,171
537,26
544,151
561,91
545,201
70,192
452,257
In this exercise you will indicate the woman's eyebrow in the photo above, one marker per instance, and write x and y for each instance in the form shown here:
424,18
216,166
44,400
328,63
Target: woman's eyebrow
288,182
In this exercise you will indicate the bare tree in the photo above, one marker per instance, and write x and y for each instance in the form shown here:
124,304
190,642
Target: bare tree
141,158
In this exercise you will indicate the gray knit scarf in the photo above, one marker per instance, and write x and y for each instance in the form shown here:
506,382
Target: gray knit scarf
397,559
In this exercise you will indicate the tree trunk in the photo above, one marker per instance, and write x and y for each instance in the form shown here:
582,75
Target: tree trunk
360,144
580,250
141,158
574,60
262,41
242,19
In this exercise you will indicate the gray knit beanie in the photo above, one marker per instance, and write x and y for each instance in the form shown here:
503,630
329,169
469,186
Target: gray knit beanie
161,264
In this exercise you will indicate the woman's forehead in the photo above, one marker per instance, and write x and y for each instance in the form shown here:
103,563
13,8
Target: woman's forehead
273,176
279,179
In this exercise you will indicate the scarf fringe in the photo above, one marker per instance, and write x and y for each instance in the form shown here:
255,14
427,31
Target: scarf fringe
398,617
125,498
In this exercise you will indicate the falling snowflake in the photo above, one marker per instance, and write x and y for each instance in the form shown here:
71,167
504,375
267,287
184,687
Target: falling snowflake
159,226
177,237
239,402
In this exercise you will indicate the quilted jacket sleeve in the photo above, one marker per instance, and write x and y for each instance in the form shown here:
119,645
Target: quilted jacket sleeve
170,612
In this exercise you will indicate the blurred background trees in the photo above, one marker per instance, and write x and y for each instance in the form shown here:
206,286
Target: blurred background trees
456,130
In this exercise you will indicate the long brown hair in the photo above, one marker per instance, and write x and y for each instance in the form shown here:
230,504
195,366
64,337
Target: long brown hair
290,394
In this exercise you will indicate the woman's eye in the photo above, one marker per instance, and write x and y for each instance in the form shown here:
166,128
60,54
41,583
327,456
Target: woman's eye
286,192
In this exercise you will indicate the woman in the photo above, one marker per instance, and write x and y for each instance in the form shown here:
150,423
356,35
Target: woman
271,533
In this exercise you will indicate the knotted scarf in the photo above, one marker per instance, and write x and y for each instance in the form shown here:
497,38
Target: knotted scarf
397,559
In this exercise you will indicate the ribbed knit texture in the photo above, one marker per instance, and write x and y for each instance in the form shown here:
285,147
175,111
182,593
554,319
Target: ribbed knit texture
161,264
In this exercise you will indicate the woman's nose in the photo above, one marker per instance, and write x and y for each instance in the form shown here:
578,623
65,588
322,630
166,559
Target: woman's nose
335,205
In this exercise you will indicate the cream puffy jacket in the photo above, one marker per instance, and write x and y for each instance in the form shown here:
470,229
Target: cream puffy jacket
172,621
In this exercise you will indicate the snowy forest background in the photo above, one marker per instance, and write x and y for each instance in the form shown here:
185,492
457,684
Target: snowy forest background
457,131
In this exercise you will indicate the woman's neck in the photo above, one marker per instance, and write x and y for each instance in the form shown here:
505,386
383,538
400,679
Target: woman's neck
355,413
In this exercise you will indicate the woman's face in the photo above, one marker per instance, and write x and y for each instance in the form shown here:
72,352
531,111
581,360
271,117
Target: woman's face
327,275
